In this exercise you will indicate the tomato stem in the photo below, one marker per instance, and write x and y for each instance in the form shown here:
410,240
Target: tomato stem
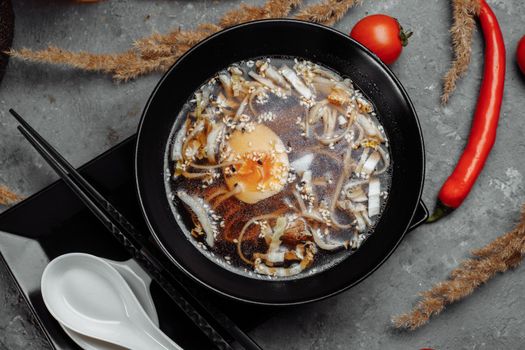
404,35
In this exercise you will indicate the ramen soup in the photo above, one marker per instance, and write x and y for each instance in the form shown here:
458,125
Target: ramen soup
277,168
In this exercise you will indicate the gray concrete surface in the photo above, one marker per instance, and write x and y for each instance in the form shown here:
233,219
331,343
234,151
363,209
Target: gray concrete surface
84,114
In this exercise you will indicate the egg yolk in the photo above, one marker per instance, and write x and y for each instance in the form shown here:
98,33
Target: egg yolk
261,164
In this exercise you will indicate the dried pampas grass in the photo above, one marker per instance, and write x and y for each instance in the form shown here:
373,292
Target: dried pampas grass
157,52
178,41
117,64
272,9
503,253
328,12
462,31
7,197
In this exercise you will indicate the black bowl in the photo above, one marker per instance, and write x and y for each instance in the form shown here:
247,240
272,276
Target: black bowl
319,44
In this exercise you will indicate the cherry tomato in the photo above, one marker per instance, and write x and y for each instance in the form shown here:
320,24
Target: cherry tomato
520,54
381,34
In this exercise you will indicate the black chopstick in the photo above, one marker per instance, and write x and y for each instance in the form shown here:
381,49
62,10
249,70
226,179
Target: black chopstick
79,179
129,237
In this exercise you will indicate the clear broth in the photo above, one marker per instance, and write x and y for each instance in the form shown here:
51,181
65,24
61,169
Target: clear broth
284,111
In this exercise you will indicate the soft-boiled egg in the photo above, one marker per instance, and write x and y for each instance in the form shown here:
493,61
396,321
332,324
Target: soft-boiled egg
261,164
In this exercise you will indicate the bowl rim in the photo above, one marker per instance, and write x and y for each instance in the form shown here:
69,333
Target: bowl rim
385,69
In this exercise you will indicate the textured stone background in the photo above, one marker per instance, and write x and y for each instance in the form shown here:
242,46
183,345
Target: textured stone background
84,114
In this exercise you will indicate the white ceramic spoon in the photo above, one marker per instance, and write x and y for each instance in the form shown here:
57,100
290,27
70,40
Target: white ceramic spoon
139,282
87,295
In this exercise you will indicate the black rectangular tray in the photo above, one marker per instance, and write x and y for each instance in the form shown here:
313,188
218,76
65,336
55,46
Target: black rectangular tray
54,222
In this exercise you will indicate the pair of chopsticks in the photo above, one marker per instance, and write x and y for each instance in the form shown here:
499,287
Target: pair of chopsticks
136,244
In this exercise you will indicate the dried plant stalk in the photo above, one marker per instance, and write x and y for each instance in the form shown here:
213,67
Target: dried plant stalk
462,31
272,9
496,245
504,253
7,197
123,66
162,45
328,12
156,52
178,41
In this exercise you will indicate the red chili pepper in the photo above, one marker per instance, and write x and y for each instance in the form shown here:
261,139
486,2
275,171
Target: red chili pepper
485,123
